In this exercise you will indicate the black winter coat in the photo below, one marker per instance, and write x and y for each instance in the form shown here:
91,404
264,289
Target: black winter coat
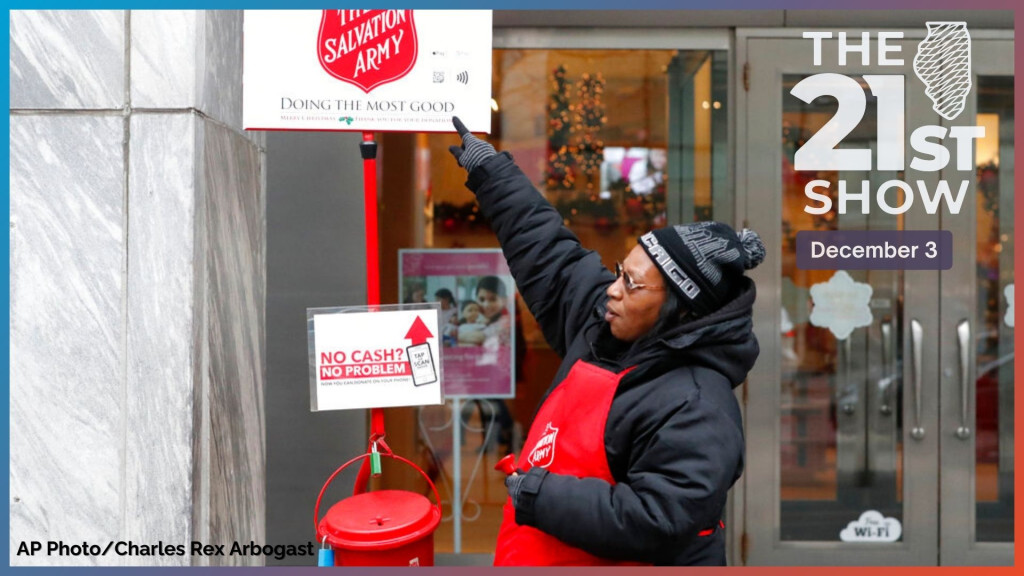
674,437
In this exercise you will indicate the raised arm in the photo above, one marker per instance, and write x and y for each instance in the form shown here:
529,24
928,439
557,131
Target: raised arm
560,281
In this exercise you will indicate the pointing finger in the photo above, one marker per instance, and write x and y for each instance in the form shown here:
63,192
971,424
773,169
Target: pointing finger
459,126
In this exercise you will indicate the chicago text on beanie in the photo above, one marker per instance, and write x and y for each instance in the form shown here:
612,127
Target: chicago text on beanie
704,260
672,270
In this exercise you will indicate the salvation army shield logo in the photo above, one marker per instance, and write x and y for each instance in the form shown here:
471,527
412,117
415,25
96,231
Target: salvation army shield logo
367,48
543,453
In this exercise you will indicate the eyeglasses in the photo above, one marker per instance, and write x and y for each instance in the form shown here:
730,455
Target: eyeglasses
630,285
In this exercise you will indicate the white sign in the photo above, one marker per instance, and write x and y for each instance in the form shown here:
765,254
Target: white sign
374,359
366,70
872,527
841,304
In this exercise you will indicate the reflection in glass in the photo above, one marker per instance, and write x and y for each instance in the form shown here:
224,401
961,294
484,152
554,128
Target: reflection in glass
995,357
840,414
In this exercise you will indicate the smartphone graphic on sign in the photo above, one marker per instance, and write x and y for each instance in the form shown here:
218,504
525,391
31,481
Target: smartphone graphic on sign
421,360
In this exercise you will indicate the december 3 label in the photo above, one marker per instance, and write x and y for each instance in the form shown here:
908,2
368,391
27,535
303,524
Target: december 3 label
875,250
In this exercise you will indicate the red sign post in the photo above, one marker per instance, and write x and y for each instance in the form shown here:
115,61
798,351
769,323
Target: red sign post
368,150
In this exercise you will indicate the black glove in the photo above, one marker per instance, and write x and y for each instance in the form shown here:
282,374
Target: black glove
473,151
523,489
514,483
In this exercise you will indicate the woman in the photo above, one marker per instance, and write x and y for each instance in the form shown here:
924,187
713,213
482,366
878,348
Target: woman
637,441
449,319
415,293
492,298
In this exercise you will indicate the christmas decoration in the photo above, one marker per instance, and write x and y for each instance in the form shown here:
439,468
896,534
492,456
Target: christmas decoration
454,218
559,174
588,121
988,185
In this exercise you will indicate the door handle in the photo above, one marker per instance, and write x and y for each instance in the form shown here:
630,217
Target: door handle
916,333
885,384
963,337
848,396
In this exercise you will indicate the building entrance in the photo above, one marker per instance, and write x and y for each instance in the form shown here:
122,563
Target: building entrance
888,441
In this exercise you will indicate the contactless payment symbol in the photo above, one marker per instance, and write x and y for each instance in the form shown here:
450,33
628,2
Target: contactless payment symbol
421,359
367,48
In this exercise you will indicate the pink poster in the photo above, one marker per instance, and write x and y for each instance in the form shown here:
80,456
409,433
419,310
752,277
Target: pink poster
477,296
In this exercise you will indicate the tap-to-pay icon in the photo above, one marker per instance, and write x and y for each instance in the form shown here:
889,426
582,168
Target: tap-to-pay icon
419,355
421,360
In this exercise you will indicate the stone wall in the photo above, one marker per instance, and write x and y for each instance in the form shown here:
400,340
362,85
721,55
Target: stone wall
138,283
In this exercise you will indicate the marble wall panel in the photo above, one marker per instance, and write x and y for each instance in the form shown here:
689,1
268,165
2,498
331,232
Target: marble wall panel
163,62
137,292
161,349
67,59
258,138
67,332
231,185
220,60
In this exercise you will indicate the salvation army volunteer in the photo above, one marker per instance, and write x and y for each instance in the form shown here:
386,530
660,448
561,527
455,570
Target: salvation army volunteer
638,440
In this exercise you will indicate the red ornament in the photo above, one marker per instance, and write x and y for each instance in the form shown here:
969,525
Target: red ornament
604,225
634,208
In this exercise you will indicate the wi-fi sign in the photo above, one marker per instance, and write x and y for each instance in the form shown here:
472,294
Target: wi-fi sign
463,77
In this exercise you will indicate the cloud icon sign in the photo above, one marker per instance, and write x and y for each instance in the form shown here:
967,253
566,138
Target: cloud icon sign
872,527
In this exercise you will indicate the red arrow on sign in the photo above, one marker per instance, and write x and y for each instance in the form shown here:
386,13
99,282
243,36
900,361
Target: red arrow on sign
418,332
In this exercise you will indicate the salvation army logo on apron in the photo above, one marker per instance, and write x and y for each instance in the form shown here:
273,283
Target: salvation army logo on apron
543,453
367,48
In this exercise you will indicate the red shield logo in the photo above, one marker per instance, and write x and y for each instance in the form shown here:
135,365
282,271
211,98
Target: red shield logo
543,453
367,48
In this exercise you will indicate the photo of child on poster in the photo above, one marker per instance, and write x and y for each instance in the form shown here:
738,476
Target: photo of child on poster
476,293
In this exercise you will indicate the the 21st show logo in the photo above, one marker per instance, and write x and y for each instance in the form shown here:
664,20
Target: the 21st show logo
367,48
943,65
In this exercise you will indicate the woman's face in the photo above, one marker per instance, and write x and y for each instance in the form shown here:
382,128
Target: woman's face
632,313
490,303
471,313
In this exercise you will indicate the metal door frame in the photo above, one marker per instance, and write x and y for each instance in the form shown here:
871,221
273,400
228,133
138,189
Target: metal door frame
990,57
920,490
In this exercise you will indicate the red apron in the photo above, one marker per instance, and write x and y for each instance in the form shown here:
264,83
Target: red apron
567,437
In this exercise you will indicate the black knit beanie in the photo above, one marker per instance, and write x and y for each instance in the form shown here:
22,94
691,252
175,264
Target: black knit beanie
704,261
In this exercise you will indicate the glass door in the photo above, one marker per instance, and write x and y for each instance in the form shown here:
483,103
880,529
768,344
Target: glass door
888,441
977,357
841,416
